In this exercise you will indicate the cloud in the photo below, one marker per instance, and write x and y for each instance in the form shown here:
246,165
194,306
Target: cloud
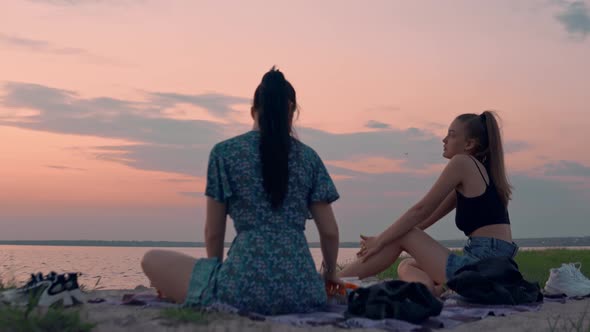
66,2
371,165
187,160
373,124
352,154
194,194
63,111
160,143
383,108
182,146
85,2
36,45
566,168
217,105
42,46
369,201
65,168
516,146
179,180
575,18
417,148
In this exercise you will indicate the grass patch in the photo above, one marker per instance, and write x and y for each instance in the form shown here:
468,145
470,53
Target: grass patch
533,264
14,319
6,285
184,315
33,319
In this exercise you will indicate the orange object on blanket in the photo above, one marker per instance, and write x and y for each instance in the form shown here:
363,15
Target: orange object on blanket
333,289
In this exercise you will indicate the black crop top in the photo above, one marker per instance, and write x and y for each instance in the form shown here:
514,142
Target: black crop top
486,209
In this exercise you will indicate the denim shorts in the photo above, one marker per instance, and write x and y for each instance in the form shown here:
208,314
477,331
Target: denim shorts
478,248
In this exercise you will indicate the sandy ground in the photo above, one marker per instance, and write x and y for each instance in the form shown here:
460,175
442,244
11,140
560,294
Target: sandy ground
560,316
113,318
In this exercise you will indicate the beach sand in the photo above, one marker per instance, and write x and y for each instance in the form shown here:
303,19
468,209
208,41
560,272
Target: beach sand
114,318
559,315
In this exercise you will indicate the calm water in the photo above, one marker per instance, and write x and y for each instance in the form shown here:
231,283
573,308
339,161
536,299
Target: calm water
111,267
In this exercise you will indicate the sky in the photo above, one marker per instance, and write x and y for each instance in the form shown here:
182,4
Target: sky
108,109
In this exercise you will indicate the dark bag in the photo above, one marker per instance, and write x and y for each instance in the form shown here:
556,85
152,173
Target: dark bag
494,280
409,301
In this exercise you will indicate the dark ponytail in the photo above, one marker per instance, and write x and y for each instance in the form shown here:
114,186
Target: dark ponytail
275,101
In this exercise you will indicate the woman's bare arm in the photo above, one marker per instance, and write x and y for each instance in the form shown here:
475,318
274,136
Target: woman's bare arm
215,228
443,209
328,229
450,178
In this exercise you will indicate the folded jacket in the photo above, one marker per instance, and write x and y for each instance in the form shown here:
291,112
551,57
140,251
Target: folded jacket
409,301
494,280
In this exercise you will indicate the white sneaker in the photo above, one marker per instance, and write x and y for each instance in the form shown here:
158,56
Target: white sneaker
55,293
73,288
34,287
568,280
64,290
44,292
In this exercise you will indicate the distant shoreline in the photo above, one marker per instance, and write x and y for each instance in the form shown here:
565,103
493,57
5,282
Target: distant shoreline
531,242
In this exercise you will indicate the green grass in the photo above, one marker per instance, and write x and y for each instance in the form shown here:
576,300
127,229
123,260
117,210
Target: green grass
6,285
33,319
15,319
184,315
533,264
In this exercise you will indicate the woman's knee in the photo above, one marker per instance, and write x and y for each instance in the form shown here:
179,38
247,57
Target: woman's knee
404,265
150,260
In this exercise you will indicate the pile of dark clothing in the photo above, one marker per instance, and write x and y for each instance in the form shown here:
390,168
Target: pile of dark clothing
409,301
494,280
491,281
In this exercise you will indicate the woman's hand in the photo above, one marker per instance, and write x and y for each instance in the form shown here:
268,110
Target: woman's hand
369,247
329,275
334,285
331,278
364,241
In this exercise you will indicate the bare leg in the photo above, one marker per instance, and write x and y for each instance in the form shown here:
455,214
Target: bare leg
374,265
408,270
430,256
169,272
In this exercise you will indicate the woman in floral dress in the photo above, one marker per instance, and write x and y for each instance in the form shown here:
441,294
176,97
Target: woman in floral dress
269,183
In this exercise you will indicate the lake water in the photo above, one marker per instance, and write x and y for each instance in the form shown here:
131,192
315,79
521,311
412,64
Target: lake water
111,267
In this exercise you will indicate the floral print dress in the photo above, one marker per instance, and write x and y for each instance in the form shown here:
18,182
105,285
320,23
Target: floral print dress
269,268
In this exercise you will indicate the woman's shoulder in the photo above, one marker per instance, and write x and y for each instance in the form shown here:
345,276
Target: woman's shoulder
307,152
461,161
233,143
466,166
459,166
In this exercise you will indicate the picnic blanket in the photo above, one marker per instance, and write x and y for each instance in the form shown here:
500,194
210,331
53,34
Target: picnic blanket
456,311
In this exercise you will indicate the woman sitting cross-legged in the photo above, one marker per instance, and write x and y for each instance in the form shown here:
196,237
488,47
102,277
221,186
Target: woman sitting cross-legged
474,183
269,183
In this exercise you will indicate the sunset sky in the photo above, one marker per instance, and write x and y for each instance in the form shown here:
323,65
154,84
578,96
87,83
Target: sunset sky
108,109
